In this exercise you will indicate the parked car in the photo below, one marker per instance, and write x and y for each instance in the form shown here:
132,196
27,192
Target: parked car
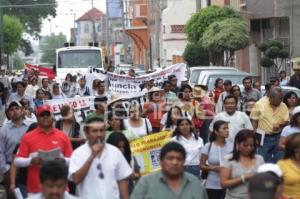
208,78
285,89
193,73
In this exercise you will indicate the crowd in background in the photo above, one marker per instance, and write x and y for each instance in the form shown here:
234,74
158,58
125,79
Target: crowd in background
221,140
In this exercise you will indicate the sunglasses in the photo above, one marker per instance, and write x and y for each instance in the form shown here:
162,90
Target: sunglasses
99,167
45,114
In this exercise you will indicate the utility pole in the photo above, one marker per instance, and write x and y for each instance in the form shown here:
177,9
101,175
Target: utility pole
107,35
125,44
1,36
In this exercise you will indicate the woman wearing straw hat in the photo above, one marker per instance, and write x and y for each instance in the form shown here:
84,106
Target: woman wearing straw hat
154,108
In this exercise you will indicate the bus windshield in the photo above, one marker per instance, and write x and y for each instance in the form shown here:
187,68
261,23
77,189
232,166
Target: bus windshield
79,59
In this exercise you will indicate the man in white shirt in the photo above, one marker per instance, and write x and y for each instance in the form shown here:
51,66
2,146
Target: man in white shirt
32,88
237,120
99,170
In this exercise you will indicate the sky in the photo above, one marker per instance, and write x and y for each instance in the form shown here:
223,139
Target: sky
64,19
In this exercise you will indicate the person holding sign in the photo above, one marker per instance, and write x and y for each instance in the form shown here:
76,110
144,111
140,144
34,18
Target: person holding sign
46,140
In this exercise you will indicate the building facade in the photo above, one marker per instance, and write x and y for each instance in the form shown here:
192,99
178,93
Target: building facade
91,27
174,40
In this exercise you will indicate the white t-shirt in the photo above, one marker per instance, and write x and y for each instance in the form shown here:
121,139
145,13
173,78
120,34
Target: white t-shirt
238,121
164,118
288,130
114,168
138,131
193,148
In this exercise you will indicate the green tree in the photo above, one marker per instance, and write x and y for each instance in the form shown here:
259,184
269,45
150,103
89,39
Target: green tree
200,21
30,16
12,31
48,48
195,55
274,54
17,62
226,36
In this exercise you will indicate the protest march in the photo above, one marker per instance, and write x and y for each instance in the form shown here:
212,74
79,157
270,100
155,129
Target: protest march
103,135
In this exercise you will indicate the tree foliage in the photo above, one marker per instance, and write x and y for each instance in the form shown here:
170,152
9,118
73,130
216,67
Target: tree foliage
227,36
18,63
196,55
275,54
12,31
50,45
31,17
25,46
201,20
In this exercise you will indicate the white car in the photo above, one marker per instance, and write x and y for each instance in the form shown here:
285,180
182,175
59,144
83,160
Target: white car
193,73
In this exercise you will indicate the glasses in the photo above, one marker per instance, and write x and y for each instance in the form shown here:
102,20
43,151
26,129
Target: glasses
235,90
45,114
99,167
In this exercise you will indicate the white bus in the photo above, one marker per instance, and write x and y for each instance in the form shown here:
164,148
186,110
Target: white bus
76,60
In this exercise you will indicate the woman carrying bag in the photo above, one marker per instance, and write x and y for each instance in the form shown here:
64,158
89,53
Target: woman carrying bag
211,158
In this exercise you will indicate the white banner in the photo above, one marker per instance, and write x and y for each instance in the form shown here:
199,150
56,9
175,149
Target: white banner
82,106
123,84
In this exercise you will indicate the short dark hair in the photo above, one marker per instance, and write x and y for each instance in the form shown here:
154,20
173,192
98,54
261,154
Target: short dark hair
292,144
110,116
65,110
54,170
293,121
247,78
165,83
287,96
21,83
230,97
90,120
46,78
171,77
182,88
217,81
172,146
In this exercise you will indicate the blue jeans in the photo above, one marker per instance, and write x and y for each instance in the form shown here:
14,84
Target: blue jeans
269,150
195,170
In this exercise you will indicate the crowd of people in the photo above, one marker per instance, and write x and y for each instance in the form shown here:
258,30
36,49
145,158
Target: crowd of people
232,142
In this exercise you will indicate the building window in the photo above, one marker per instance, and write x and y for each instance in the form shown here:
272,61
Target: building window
86,28
255,25
99,27
177,28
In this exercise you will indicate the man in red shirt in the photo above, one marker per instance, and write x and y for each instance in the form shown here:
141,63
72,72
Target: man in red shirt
44,138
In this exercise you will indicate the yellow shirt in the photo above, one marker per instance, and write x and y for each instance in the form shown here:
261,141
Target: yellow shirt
291,177
267,118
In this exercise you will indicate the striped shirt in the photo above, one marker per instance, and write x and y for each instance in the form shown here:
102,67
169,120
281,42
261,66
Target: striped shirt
10,136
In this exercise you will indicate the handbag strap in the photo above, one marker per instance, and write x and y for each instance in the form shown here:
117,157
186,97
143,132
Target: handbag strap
147,128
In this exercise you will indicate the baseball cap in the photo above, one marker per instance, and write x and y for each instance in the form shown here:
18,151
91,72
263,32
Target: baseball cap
263,185
14,103
296,110
269,167
42,109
